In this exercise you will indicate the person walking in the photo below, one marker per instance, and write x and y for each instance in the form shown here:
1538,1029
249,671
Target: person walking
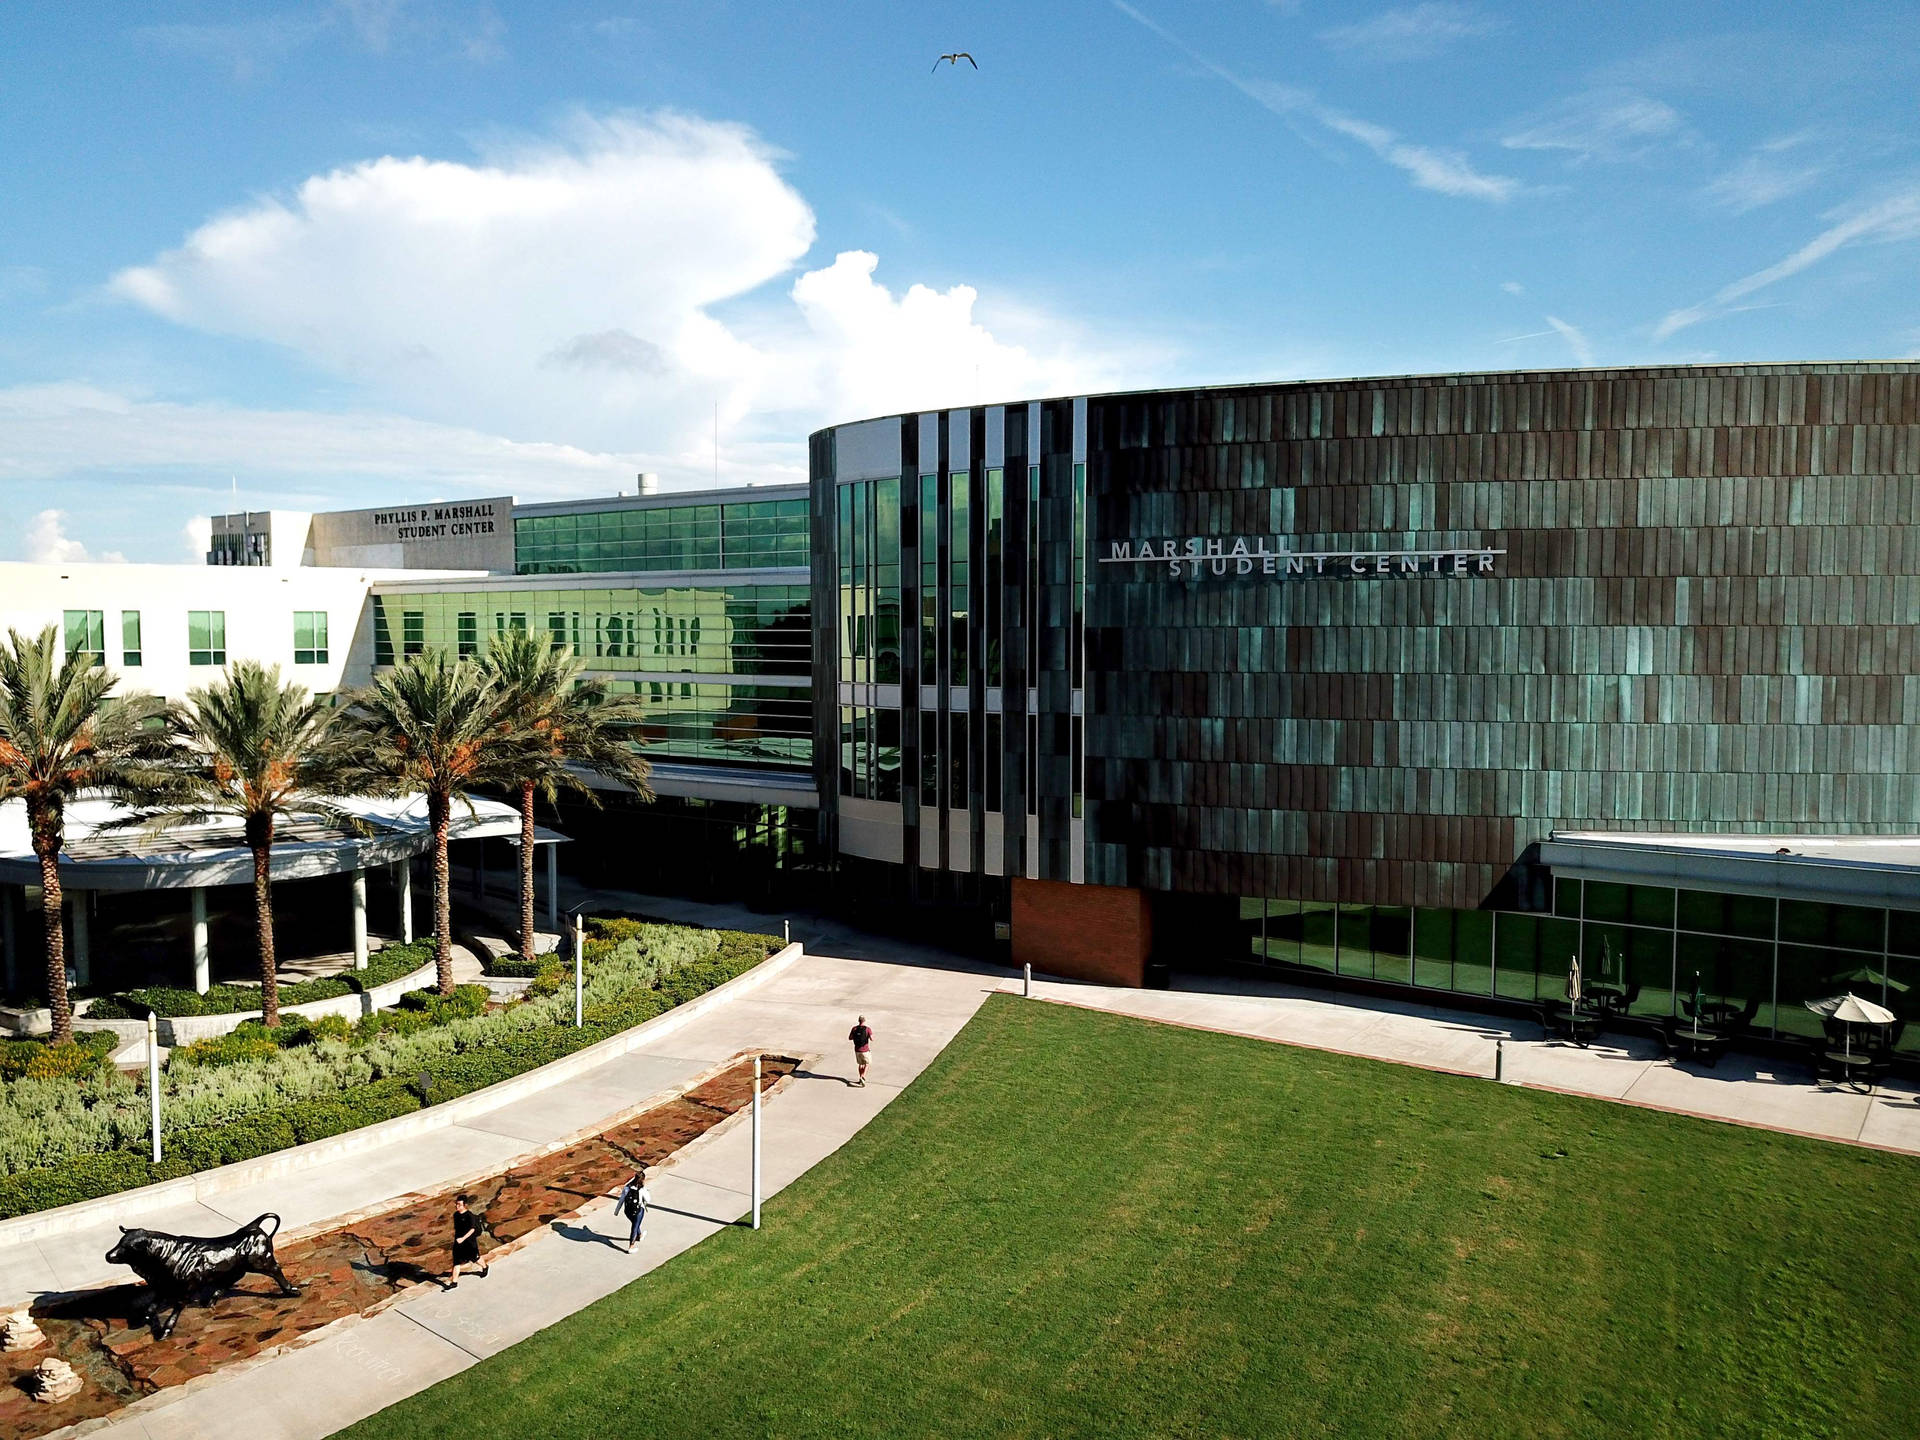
633,1203
862,1038
466,1241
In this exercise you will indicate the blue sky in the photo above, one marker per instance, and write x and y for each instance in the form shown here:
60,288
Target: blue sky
382,250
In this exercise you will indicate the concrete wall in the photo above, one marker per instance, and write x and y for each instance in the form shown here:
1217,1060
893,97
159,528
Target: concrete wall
1084,932
447,535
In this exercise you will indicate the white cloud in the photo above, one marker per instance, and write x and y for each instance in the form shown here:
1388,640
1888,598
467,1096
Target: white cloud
47,542
1411,32
1576,341
878,353
1513,287
573,288
198,535
1763,177
1446,171
60,430
1606,124
1893,217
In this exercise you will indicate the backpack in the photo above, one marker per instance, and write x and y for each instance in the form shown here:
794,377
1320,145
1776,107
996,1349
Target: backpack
630,1203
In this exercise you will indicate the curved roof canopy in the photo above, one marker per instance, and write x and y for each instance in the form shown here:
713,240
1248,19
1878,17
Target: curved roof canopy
100,858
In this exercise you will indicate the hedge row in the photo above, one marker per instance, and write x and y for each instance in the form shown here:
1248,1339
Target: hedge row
448,1075
172,1002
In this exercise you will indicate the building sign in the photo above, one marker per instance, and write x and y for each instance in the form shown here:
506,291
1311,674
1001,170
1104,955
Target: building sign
437,522
1212,555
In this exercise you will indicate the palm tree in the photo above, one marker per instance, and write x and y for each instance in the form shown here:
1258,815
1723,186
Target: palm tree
431,725
61,734
561,726
251,749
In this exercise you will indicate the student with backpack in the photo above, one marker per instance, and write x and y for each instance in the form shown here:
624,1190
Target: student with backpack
633,1203
862,1037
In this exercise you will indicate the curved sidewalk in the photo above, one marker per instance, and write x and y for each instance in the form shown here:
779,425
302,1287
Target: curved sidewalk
915,1000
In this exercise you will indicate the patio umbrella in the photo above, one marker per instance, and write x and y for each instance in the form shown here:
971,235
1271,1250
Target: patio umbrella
1696,1000
1850,1010
1573,983
1867,975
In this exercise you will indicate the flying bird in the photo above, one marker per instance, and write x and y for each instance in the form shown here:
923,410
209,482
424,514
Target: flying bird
955,59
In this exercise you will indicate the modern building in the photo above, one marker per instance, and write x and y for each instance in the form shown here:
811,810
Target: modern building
697,601
1424,682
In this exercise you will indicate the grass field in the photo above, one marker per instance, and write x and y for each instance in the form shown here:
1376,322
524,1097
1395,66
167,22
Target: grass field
1080,1224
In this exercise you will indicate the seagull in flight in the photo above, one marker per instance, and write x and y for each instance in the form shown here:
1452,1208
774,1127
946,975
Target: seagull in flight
955,59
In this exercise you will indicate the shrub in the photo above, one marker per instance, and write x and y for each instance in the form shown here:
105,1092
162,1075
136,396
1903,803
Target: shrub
516,966
37,1060
65,1140
111,1007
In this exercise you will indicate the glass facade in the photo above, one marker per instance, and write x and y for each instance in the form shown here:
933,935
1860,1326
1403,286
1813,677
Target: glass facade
730,535
1763,957
753,640
130,649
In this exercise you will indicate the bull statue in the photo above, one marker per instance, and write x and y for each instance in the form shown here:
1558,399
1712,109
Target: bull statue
194,1269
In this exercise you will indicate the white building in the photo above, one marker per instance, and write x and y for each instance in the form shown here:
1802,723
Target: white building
167,629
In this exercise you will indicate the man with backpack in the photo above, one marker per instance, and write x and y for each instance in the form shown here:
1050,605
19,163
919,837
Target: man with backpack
633,1203
862,1037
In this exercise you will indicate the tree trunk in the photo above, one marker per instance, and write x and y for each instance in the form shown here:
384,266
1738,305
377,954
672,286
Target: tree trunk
260,838
51,901
439,809
526,869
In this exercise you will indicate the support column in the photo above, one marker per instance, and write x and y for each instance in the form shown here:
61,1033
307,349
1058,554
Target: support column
553,888
403,877
10,933
360,919
82,962
202,951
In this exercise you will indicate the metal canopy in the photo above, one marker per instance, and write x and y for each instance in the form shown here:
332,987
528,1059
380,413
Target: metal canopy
185,857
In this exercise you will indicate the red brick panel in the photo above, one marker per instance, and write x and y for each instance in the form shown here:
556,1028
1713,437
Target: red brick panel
1085,932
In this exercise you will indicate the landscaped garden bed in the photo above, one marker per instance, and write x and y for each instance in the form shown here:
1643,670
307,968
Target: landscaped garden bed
254,1091
353,1270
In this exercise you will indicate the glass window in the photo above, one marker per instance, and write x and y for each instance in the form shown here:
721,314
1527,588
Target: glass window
1392,941
1651,905
1281,932
130,651
1433,948
86,632
206,637
309,637
1319,931
413,632
1631,959
1734,972
467,629
1473,951
1566,898
1605,901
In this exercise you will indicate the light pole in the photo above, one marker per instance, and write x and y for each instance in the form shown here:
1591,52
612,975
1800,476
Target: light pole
579,970
756,1142
153,1080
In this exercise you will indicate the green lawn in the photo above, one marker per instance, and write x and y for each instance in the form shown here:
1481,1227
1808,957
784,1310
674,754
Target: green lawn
1078,1224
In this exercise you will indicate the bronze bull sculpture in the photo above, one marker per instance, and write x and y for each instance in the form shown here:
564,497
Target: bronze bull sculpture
194,1269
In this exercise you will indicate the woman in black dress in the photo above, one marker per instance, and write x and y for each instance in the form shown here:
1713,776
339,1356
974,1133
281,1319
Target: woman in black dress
466,1240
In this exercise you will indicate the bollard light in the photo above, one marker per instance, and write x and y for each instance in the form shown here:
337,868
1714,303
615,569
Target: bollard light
1499,1060
1026,983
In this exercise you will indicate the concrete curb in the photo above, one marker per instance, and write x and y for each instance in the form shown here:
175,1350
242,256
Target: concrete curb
25,1229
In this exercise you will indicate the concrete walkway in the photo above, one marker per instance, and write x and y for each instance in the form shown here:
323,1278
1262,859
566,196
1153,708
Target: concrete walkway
915,1000
1743,1089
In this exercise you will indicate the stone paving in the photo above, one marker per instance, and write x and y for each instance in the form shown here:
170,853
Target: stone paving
353,1270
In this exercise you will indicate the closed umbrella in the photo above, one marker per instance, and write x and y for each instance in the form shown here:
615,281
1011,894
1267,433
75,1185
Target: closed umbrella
1573,983
1850,1010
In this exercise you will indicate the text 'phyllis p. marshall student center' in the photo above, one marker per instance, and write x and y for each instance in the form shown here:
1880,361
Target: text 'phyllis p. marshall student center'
1431,682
